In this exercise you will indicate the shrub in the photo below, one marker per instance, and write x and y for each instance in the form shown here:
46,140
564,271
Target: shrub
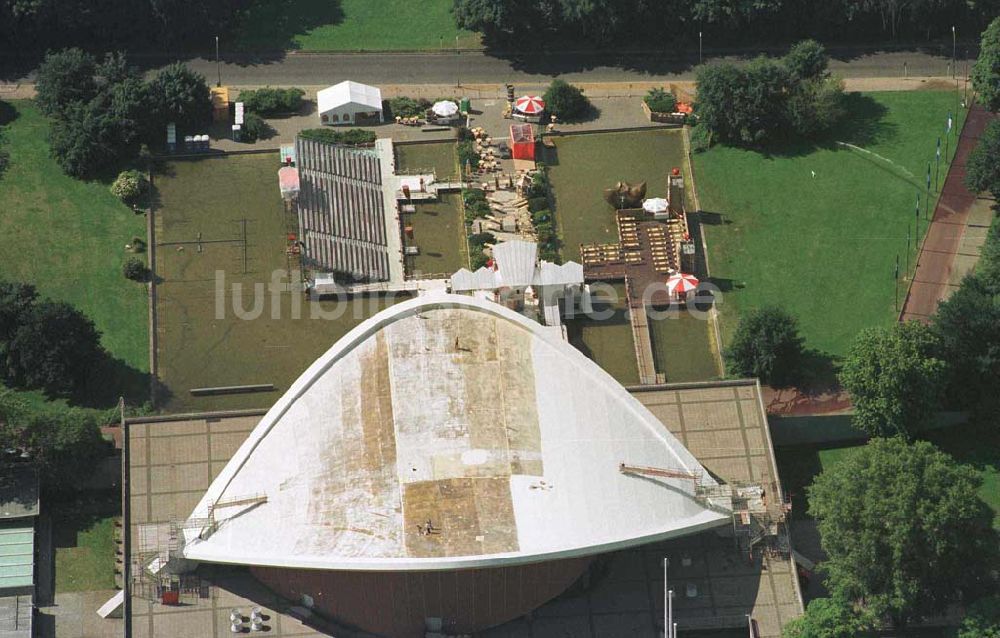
135,269
129,186
536,204
271,101
349,137
407,106
983,165
565,101
701,138
467,155
660,101
473,195
479,240
255,128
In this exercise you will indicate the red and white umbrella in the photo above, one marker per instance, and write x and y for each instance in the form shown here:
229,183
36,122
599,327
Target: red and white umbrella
530,105
681,283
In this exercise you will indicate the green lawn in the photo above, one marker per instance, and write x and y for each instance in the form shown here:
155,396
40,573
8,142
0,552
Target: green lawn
438,157
201,345
67,237
84,539
582,166
823,247
348,25
439,233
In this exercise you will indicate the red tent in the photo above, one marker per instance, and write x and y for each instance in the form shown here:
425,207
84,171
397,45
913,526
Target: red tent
522,141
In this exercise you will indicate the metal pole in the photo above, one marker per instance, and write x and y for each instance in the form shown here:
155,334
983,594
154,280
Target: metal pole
699,47
952,52
907,248
965,94
937,165
218,65
666,600
897,282
675,631
670,599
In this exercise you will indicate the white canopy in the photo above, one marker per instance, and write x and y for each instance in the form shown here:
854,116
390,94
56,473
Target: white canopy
445,108
654,205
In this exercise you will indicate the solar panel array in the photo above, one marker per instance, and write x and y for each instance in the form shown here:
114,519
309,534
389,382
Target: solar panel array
341,210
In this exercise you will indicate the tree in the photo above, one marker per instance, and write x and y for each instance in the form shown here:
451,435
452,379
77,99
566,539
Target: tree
565,101
831,618
135,269
129,186
66,443
982,619
766,345
986,71
181,96
967,326
982,169
85,140
894,378
54,348
807,60
903,529
65,78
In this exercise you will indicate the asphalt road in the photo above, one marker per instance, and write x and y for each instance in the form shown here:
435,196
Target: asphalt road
477,68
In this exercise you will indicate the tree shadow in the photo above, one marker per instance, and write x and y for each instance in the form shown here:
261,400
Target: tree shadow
817,373
270,26
8,113
71,516
111,378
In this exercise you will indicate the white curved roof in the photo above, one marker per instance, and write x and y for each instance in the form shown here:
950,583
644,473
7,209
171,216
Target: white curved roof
459,412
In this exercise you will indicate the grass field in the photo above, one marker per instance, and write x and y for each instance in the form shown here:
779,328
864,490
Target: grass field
580,169
439,157
823,247
84,537
200,345
439,233
67,237
348,25
584,165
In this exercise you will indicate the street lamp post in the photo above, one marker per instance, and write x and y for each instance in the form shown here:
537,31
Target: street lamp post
952,52
699,47
218,65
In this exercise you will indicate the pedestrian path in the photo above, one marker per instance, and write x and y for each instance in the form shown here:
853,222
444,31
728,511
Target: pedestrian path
957,229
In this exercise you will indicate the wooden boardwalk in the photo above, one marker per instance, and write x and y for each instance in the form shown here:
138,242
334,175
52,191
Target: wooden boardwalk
643,345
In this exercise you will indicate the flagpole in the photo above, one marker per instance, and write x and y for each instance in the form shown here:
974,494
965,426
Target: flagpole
937,165
927,198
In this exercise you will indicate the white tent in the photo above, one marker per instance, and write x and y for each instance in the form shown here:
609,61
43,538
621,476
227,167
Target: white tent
348,102
445,109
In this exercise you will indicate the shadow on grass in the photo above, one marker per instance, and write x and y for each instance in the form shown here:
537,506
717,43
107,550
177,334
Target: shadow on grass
109,379
272,25
80,513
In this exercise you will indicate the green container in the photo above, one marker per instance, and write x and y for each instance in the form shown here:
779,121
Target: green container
465,105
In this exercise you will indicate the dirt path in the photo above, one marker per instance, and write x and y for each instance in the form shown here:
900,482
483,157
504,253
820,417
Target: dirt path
944,257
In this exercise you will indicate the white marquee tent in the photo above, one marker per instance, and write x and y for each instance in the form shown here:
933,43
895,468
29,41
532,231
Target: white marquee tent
348,102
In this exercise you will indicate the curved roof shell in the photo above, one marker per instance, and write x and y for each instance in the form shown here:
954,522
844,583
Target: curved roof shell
447,432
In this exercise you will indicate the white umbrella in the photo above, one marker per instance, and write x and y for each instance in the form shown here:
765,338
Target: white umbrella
445,108
654,205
